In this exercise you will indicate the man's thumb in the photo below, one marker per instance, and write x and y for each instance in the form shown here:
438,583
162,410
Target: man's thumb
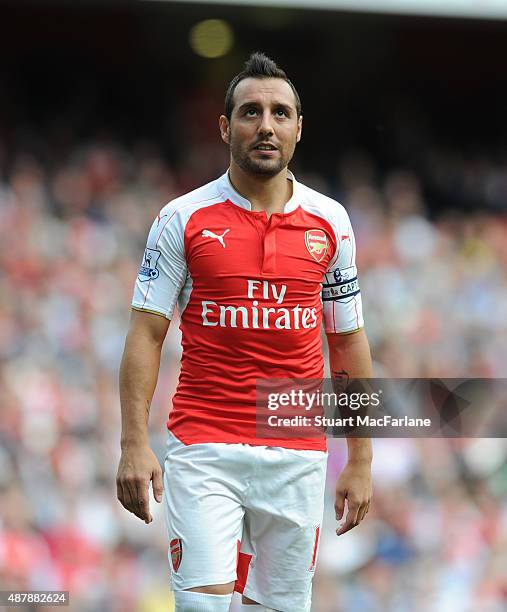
158,485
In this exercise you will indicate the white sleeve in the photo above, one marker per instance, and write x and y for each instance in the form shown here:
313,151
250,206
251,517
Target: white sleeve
341,298
163,269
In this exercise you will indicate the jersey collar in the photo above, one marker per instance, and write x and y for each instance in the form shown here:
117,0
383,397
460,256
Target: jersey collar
229,193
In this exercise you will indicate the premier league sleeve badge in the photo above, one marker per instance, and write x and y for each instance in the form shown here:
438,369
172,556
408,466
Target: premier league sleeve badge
149,270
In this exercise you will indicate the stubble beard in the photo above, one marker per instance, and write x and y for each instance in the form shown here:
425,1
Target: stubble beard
261,167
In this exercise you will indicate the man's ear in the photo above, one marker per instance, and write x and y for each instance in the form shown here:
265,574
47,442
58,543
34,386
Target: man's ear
223,124
300,128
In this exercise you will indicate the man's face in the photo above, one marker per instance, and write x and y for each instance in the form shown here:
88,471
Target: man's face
264,126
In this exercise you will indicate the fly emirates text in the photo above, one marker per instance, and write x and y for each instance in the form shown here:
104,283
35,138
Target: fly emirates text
259,317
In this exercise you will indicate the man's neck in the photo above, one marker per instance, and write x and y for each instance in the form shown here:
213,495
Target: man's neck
269,194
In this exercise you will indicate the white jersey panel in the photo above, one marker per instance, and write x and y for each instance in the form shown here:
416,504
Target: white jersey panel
163,278
341,297
184,296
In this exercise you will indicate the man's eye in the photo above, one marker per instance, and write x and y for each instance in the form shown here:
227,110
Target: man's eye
281,112
251,112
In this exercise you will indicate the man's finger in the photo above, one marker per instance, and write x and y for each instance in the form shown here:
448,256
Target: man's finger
351,520
143,500
347,526
339,505
120,494
354,508
158,485
132,497
362,513
128,499
119,491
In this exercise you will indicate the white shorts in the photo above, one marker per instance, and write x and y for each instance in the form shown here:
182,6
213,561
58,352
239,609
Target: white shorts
250,514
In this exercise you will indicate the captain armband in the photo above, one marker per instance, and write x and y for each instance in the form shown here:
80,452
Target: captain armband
340,284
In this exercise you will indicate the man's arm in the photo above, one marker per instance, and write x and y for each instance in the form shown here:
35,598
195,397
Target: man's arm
138,379
350,354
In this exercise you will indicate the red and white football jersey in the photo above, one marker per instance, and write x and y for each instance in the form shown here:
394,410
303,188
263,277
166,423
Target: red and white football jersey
252,292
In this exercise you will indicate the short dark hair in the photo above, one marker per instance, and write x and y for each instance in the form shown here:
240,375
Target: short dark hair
258,66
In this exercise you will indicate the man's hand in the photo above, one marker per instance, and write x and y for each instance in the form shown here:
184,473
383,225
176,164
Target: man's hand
355,485
139,465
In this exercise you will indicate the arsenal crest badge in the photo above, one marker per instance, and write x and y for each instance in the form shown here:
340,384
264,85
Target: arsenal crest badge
316,243
176,553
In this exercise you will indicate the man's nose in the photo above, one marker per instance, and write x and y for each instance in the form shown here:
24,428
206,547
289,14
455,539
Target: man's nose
266,126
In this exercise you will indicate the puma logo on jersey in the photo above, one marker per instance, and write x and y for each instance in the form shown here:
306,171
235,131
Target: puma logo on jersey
219,237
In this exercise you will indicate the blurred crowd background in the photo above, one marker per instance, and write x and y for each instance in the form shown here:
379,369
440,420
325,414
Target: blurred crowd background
87,159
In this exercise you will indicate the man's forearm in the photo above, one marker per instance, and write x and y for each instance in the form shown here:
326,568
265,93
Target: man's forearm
138,379
350,355
359,450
